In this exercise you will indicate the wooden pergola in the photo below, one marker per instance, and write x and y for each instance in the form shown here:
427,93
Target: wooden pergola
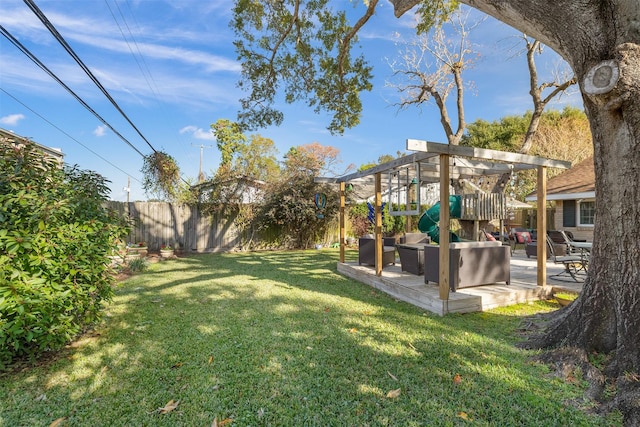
441,163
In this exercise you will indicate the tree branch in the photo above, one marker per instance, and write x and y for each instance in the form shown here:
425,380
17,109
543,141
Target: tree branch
344,48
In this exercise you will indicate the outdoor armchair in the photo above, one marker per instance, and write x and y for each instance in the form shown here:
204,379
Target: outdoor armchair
367,251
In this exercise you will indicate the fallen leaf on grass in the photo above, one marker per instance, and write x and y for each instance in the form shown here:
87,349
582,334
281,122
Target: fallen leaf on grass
177,365
215,422
411,346
463,415
210,360
393,393
353,330
457,379
170,406
58,422
392,376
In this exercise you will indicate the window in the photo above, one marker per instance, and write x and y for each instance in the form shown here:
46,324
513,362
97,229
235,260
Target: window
569,213
587,212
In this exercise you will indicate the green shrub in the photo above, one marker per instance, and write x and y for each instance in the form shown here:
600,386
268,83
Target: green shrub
289,207
361,225
138,264
55,242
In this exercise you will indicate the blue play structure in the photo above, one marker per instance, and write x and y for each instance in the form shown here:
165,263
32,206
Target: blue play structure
428,222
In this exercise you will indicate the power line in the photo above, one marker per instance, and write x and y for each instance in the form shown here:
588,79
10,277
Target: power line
65,133
140,62
32,57
34,8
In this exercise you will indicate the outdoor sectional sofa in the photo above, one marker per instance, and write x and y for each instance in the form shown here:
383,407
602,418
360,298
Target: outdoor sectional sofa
471,264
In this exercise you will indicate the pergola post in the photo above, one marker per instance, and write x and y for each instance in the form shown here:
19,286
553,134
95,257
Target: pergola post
445,228
541,219
378,223
342,223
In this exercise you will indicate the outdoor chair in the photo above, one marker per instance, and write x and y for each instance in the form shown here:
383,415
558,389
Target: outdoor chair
570,236
367,251
519,236
559,238
573,264
531,249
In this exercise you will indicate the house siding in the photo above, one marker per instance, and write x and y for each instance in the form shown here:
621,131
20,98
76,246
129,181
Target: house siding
583,233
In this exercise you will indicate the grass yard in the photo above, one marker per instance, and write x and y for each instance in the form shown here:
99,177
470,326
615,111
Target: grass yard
281,339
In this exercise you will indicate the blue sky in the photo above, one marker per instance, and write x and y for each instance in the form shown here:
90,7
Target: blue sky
171,67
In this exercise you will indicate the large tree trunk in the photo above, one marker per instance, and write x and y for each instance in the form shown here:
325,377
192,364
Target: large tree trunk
598,37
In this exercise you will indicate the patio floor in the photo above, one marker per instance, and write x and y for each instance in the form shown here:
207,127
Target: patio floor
412,289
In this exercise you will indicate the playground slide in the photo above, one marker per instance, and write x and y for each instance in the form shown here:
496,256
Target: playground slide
428,222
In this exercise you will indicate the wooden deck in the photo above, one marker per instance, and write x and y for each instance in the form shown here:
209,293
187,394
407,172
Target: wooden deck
412,289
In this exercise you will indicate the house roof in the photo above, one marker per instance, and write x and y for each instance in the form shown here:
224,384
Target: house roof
9,136
577,182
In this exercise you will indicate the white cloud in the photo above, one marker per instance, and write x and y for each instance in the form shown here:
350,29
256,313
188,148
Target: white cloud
100,131
198,133
11,119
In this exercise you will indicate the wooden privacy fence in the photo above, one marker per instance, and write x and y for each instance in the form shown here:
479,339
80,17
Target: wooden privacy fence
182,226
185,228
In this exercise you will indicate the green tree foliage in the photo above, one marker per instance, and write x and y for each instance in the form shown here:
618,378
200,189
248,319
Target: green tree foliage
289,203
313,159
303,48
434,13
229,138
505,134
250,164
257,159
161,175
563,135
361,225
290,208
382,159
55,242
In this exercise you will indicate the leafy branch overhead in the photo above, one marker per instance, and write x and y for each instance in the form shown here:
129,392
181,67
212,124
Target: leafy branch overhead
305,50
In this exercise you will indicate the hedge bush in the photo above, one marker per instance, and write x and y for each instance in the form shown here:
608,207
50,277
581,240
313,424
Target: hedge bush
361,224
55,240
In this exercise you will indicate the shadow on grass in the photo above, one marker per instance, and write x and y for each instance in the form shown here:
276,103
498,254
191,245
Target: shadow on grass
280,338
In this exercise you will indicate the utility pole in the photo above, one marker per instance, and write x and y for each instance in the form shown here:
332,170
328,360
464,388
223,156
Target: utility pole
128,189
202,147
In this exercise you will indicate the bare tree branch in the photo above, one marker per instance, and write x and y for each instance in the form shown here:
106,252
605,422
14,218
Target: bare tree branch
421,81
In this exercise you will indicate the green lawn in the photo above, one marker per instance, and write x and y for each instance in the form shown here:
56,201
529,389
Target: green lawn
281,339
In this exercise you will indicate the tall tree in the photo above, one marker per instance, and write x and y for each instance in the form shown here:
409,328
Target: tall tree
430,68
229,137
563,135
314,159
541,95
290,203
246,163
600,40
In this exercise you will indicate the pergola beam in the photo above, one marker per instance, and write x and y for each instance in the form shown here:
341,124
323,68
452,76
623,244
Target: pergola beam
483,153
